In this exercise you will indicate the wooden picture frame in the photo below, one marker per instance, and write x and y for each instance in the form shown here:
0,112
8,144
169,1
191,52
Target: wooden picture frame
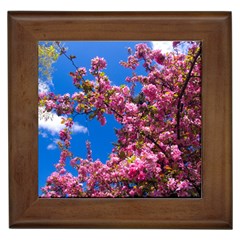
212,211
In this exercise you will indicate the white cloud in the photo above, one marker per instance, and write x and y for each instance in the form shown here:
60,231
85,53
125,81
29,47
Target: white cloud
53,125
54,144
43,134
44,86
165,46
79,128
51,146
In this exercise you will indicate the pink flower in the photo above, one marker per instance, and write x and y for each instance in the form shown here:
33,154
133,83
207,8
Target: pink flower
176,153
172,184
81,71
102,120
131,63
74,161
131,108
62,171
67,143
125,91
141,176
98,64
41,95
79,96
64,135
146,159
150,91
132,172
197,121
69,123
142,50
175,44
132,193
50,104
158,56
183,185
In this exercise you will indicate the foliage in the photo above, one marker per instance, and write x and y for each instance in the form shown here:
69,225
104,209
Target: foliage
158,152
47,54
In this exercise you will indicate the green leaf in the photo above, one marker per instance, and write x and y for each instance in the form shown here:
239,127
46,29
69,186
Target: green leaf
132,159
92,115
122,155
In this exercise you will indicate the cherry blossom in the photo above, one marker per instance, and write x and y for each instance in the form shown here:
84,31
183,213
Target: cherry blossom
158,147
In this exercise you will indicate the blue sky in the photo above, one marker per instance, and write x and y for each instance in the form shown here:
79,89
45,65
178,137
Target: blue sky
101,137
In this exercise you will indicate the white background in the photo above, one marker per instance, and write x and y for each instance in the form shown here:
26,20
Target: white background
120,5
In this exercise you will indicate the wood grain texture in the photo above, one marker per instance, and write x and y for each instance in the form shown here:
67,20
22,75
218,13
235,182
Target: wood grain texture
213,210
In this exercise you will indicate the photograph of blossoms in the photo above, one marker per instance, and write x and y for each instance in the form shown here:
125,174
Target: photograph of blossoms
119,119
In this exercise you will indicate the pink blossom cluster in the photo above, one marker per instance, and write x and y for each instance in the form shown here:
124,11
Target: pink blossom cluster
78,76
158,148
97,64
158,56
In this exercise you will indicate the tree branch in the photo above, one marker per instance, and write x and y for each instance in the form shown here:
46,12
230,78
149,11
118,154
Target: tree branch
113,110
62,51
183,91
